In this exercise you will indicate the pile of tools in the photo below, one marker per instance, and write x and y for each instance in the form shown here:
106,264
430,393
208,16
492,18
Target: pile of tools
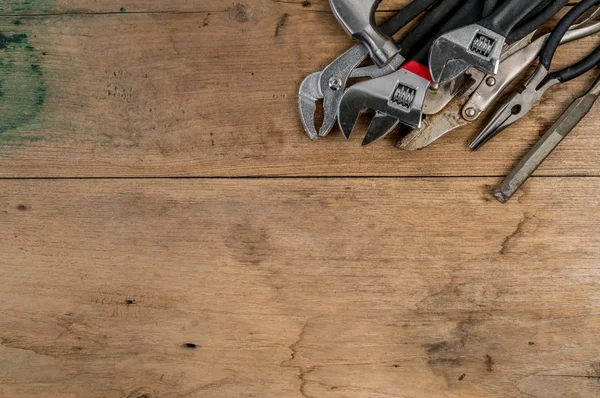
449,69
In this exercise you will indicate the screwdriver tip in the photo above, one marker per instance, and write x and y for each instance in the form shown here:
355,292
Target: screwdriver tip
501,196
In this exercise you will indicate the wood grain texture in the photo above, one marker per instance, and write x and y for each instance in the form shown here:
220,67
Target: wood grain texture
269,287
299,288
210,89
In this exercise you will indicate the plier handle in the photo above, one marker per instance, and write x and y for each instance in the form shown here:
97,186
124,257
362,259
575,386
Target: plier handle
517,105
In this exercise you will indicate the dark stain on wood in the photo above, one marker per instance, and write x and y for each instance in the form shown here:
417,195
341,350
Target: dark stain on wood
280,23
240,12
489,363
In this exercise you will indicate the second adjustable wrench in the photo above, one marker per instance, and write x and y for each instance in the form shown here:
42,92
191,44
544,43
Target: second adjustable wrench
479,45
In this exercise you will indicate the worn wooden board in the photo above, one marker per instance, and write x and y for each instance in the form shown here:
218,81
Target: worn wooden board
210,89
48,7
299,287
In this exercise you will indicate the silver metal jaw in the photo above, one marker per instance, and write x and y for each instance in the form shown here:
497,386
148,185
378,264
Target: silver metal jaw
473,45
400,95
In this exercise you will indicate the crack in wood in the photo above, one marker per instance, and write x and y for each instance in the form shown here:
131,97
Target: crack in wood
303,371
518,233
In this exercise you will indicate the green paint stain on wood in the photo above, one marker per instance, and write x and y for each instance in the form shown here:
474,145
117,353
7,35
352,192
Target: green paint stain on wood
22,88
26,6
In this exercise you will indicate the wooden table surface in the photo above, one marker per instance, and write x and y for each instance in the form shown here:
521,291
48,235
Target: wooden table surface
169,231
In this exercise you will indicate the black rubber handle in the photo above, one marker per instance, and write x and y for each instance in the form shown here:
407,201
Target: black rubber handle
405,16
536,19
470,12
581,67
558,33
429,25
508,15
489,7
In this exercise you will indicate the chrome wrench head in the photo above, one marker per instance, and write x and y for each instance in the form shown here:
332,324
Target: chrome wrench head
400,95
381,126
452,53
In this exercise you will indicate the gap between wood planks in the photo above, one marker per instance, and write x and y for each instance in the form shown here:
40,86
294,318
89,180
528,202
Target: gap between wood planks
305,5
375,177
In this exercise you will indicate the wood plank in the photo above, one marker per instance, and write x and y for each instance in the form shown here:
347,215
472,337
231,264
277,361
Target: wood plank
214,94
37,7
299,287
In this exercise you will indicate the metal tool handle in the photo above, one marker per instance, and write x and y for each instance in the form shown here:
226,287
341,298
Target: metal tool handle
357,18
556,37
536,21
508,15
544,147
390,28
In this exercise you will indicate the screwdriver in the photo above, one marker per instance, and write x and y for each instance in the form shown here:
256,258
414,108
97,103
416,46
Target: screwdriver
544,147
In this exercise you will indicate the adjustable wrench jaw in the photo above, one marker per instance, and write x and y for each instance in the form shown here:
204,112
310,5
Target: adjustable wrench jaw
400,95
452,53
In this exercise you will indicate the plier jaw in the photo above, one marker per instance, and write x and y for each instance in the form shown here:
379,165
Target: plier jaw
308,97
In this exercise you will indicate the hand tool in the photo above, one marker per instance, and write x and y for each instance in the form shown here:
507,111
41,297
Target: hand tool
445,112
480,44
400,95
520,102
357,18
544,147
436,99
329,85
440,95
487,88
